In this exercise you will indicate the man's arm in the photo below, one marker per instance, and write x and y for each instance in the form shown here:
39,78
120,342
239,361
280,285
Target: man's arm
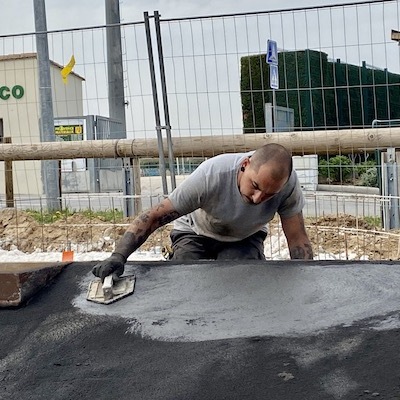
145,224
136,234
297,239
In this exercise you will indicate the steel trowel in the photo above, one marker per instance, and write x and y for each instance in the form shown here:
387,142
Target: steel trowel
112,289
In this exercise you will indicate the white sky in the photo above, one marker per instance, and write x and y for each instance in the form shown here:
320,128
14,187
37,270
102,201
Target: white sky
63,14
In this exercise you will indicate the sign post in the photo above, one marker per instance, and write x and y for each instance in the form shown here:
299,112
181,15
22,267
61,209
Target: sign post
272,60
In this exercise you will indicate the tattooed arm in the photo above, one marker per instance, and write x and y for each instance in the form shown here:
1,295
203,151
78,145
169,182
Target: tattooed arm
296,236
145,224
136,234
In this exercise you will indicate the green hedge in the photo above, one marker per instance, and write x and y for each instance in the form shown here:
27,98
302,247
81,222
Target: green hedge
321,93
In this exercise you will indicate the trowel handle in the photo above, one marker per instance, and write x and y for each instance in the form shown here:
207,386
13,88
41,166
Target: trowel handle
107,287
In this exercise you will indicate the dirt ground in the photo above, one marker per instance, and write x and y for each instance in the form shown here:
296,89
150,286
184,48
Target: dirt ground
352,238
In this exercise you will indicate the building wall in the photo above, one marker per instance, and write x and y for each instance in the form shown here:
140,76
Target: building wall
67,98
21,116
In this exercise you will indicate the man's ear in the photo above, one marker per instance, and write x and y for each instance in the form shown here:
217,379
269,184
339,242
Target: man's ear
246,162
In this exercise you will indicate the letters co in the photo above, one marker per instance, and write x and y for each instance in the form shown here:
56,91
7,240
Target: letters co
16,91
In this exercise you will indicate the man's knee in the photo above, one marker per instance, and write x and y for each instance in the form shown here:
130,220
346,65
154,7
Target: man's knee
251,248
188,246
179,254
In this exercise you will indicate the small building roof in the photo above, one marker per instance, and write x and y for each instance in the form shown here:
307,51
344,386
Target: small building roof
21,56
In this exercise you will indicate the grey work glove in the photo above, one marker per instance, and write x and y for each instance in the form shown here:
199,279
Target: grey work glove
112,265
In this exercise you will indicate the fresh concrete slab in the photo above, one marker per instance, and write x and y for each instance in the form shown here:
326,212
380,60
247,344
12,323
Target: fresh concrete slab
206,301
279,330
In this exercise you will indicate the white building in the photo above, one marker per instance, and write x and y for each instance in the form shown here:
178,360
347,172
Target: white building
20,112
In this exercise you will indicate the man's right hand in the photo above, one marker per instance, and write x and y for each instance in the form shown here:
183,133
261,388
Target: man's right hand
112,265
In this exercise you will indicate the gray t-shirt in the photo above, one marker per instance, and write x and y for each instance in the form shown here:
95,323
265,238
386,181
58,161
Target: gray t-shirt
214,207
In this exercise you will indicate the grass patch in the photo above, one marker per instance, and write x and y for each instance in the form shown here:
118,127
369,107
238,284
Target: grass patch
374,221
46,217
106,216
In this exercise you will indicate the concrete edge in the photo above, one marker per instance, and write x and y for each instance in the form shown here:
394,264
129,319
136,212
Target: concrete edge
19,283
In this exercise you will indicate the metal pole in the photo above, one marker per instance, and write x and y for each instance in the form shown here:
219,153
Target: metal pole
93,164
128,206
392,185
155,102
50,170
274,125
165,100
116,97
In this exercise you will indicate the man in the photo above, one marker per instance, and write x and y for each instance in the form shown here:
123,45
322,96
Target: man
221,211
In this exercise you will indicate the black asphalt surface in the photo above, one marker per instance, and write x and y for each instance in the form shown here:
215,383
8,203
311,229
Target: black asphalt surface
51,349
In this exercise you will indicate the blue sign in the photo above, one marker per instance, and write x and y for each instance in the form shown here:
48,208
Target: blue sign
273,76
272,52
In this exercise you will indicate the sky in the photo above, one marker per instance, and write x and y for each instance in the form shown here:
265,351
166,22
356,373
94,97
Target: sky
63,14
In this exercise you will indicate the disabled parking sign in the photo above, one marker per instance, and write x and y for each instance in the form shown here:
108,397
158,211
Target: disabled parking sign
272,52
272,60
273,77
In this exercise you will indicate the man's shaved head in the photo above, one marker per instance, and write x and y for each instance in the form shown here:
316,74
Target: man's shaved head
276,156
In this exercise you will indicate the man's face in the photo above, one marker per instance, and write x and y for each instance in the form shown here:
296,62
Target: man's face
258,186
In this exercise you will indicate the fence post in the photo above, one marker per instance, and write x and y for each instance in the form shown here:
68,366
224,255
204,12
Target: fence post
155,103
391,189
165,100
137,203
8,179
132,204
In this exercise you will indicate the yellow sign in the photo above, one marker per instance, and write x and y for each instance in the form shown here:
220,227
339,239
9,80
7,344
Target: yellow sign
68,129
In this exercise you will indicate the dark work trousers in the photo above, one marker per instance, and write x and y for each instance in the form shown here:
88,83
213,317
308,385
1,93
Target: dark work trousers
189,246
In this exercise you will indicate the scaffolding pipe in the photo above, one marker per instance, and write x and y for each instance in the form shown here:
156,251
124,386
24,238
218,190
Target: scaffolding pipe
298,143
